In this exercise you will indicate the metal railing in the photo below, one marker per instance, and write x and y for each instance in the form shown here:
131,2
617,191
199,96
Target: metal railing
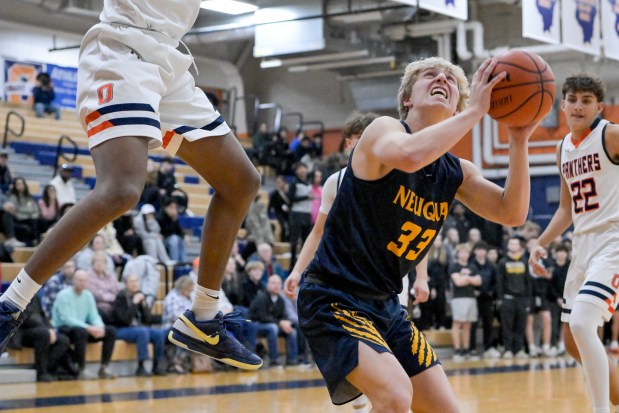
7,127
61,154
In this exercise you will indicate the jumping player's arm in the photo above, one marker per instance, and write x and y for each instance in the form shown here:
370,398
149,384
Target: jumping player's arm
509,205
385,145
560,222
329,190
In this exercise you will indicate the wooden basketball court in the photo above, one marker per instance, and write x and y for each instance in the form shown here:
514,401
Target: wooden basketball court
538,385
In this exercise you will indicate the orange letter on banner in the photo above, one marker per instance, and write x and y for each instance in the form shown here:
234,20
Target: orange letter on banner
106,93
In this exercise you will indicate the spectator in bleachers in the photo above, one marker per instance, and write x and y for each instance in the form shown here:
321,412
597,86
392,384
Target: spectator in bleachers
103,284
65,190
26,217
165,177
493,255
171,231
147,227
268,311
459,220
43,95
473,238
264,254
233,283
145,267
258,226
296,142
48,208
150,194
5,171
112,247
317,191
540,304
50,346
56,283
260,143
450,241
130,242
463,304
75,314
317,144
132,318
279,206
252,284
514,295
557,285
486,296
239,260
529,230
301,196
8,226
277,150
174,304
83,259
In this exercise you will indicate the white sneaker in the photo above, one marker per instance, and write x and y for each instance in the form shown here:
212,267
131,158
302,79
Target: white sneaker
491,353
561,349
508,355
458,358
549,352
521,355
533,351
14,242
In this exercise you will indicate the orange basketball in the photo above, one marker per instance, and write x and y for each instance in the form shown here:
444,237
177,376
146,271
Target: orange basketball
526,94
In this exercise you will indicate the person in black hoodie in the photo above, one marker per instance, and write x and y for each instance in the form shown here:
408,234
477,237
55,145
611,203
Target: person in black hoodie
50,346
514,294
171,231
268,310
131,315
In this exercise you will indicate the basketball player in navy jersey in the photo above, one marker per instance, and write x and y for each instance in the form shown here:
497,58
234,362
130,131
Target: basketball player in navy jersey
392,202
588,160
133,83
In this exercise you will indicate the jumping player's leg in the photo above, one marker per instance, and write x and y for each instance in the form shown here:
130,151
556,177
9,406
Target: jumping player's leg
572,349
121,170
433,392
383,380
223,163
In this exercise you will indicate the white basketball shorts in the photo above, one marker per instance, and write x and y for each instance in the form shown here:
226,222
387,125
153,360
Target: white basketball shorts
593,275
136,83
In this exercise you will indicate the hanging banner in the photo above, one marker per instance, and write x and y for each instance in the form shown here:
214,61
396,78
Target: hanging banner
581,25
19,79
610,28
65,84
540,20
452,8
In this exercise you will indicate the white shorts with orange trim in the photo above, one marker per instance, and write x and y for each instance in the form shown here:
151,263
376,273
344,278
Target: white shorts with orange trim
593,275
136,83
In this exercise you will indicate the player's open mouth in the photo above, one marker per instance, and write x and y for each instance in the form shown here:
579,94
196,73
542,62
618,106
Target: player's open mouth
439,91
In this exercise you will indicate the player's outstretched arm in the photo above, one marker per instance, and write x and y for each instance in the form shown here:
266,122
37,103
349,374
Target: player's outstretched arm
385,142
612,142
509,205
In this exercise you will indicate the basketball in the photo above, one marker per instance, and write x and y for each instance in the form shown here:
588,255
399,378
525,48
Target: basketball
526,94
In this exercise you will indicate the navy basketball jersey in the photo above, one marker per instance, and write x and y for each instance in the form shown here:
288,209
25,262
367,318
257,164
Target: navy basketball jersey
377,231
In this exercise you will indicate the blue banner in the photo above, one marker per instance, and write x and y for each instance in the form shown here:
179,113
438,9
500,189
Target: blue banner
19,79
65,84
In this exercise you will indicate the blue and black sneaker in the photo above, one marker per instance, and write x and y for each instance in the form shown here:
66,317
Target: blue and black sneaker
213,339
11,318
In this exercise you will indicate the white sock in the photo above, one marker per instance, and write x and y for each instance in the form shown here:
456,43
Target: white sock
21,290
205,303
584,321
360,404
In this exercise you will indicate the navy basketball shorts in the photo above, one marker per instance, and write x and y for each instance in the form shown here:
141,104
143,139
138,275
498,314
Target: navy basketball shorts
334,323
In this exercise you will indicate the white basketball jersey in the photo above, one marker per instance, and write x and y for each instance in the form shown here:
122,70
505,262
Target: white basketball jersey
593,180
172,17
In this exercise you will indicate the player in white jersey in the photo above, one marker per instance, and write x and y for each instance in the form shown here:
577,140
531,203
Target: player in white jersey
133,84
588,160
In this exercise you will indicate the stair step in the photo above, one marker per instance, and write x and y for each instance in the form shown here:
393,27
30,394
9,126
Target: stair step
17,376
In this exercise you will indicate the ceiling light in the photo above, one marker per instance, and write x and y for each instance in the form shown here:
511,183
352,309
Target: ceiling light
269,63
228,6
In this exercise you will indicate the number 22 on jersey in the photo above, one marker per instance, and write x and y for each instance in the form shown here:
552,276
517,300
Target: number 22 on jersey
411,234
